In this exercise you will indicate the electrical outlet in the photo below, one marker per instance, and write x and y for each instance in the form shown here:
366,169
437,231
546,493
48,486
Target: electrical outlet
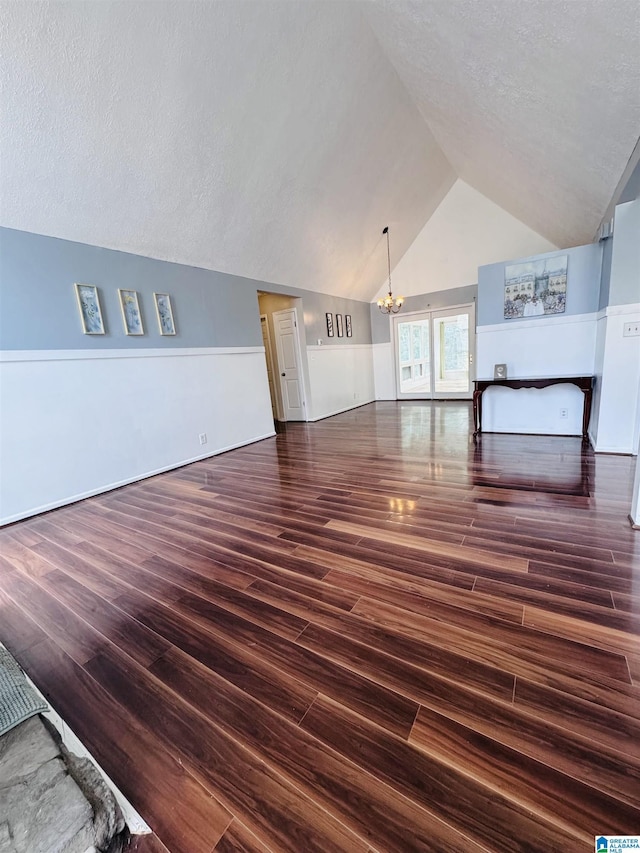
203,438
630,330
564,413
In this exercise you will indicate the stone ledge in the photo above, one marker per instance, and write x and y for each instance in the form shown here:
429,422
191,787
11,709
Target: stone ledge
52,801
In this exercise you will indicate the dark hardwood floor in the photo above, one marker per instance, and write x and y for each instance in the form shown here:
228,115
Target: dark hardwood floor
365,634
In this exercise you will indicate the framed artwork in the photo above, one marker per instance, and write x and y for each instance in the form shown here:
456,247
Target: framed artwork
347,325
329,324
165,314
339,325
499,371
89,307
131,316
535,288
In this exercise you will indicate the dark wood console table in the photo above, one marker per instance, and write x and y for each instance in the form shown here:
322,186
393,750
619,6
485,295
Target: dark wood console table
584,383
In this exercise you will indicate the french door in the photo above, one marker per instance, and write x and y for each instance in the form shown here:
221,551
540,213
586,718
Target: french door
434,353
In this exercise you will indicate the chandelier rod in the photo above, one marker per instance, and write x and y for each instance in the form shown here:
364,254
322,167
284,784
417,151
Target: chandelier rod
385,230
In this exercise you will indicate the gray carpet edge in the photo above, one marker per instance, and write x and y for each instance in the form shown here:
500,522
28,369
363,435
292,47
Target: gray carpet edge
18,700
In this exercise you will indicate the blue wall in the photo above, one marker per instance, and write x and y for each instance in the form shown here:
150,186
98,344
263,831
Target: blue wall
38,308
380,328
605,274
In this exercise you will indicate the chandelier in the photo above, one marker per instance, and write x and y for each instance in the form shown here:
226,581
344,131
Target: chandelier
389,305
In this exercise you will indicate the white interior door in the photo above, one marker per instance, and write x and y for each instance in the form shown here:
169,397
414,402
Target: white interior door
289,365
434,353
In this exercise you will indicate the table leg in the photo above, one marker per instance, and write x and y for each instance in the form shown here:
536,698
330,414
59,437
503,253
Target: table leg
477,413
586,414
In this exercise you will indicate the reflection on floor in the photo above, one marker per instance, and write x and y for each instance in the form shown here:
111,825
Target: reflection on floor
560,464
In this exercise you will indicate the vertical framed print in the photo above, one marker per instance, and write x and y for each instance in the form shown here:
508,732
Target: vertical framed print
130,308
347,325
90,310
329,316
165,314
339,325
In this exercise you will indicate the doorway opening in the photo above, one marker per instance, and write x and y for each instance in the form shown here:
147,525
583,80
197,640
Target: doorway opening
280,324
434,354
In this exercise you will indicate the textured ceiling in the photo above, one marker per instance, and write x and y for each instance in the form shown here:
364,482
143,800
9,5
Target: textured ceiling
536,103
274,139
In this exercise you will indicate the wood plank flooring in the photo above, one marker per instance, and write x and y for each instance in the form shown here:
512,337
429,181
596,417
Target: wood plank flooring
365,634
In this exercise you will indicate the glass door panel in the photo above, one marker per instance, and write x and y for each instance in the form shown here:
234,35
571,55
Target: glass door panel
414,356
451,353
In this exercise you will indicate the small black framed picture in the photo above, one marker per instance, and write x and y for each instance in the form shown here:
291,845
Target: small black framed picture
347,325
339,325
329,325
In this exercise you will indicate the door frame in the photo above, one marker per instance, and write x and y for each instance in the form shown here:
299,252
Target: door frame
271,365
431,395
303,390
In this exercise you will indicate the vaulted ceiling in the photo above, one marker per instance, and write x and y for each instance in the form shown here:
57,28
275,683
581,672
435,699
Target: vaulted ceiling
274,140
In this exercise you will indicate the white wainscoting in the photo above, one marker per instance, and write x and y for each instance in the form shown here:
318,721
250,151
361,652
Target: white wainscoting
384,371
77,423
617,415
549,346
553,346
340,378
635,499
533,410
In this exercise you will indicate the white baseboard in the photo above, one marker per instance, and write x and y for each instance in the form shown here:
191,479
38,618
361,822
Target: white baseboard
615,451
356,405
